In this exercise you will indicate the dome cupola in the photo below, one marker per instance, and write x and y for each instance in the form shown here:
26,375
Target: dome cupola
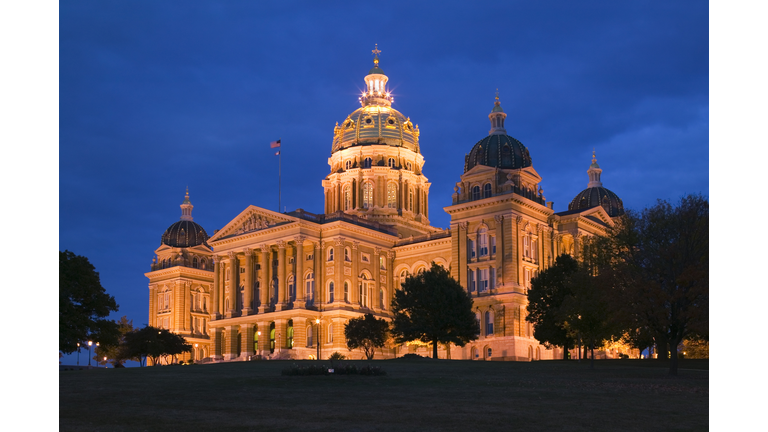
376,122
185,232
596,195
498,150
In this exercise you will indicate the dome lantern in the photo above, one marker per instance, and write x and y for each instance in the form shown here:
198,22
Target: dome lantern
186,208
594,172
185,232
376,93
497,117
597,195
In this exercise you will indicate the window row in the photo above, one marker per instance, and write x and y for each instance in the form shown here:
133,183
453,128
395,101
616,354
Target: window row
367,197
486,192
484,246
348,257
368,163
485,320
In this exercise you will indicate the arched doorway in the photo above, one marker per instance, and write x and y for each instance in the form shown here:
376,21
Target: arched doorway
272,337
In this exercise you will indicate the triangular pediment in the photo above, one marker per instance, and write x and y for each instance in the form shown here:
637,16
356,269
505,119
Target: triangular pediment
598,214
250,220
479,170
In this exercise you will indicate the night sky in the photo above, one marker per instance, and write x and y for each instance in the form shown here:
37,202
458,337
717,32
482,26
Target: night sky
155,97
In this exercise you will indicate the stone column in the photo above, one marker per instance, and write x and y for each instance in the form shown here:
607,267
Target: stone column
298,277
499,250
266,264
187,306
282,298
231,343
216,336
356,283
263,327
248,292
518,254
222,286
338,253
153,305
390,278
317,268
216,288
462,262
299,332
234,286
577,245
246,340
376,279
281,334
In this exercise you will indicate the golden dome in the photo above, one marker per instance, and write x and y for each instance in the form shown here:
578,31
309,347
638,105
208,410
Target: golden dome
376,125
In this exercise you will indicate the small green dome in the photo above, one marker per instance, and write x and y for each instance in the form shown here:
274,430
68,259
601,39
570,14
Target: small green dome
376,70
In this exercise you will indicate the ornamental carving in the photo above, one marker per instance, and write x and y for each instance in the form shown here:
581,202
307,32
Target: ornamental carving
281,244
265,248
519,219
299,240
339,241
248,252
355,244
499,218
462,226
252,223
232,256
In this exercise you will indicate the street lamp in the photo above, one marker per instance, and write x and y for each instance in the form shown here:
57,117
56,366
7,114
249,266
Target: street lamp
89,353
317,321
105,362
78,353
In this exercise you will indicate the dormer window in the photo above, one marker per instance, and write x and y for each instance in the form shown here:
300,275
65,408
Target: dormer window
367,162
391,162
348,164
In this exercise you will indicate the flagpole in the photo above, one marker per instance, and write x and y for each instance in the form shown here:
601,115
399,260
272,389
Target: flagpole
279,173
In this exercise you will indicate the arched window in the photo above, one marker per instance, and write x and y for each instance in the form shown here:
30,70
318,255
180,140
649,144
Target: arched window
403,275
272,337
475,193
392,195
482,240
381,298
348,164
310,336
367,195
330,292
346,291
367,162
347,197
194,262
290,334
488,323
204,264
256,341
408,166
330,333
391,162
410,200
487,190
330,253
482,275
347,254
488,353
309,288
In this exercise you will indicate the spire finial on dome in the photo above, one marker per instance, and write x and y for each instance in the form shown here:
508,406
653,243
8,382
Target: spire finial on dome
594,172
497,117
376,51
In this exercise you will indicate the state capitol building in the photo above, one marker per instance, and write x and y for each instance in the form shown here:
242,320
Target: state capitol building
275,285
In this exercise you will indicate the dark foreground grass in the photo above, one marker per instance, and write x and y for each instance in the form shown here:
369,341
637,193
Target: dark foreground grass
629,395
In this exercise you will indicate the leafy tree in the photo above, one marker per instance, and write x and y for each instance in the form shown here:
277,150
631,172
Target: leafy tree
546,296
366,332
432,307
83,304
153,343
115,352
660,266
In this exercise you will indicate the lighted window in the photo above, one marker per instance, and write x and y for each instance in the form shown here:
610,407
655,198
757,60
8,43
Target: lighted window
392,195
310,336
330,292
367,195
309,288
487,190
410,200
330,253
347,254
346,291
381,298
527,246
476,193
291,288
290,334
330,333
382,263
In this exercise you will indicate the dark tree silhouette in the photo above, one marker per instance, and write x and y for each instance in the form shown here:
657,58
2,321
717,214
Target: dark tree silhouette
432,307
83,305
153,343
366,332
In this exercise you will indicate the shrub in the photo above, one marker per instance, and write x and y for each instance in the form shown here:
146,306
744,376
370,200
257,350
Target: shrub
337,356
411,356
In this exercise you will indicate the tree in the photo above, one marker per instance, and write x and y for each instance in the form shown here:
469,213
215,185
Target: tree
115,352
660,265
366,332
432,307
545,303
153,343
83,304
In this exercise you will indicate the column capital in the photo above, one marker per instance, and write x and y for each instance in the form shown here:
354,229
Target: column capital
281,244
339,241
498,218
463,226
299,239
216,259
248,251
264,248
377,250
519,219
232,255
355,244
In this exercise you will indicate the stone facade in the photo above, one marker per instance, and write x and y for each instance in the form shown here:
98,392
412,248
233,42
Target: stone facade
283,285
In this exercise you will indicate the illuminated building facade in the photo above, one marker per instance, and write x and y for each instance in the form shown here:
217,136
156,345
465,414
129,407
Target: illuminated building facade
275,285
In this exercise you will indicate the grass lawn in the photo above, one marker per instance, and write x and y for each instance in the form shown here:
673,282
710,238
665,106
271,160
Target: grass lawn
628,395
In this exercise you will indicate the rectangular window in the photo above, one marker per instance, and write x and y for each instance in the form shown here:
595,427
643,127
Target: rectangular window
310,257
526,247
493,245
242,269
483,276
471,276
382,263
258,266
483,245
366,258
471,246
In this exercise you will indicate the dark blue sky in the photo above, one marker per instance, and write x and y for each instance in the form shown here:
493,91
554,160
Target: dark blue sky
158,96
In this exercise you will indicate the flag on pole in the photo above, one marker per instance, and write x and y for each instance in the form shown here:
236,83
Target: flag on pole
278,153
274,144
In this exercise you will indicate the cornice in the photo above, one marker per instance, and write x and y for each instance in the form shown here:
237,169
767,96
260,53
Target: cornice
500,199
